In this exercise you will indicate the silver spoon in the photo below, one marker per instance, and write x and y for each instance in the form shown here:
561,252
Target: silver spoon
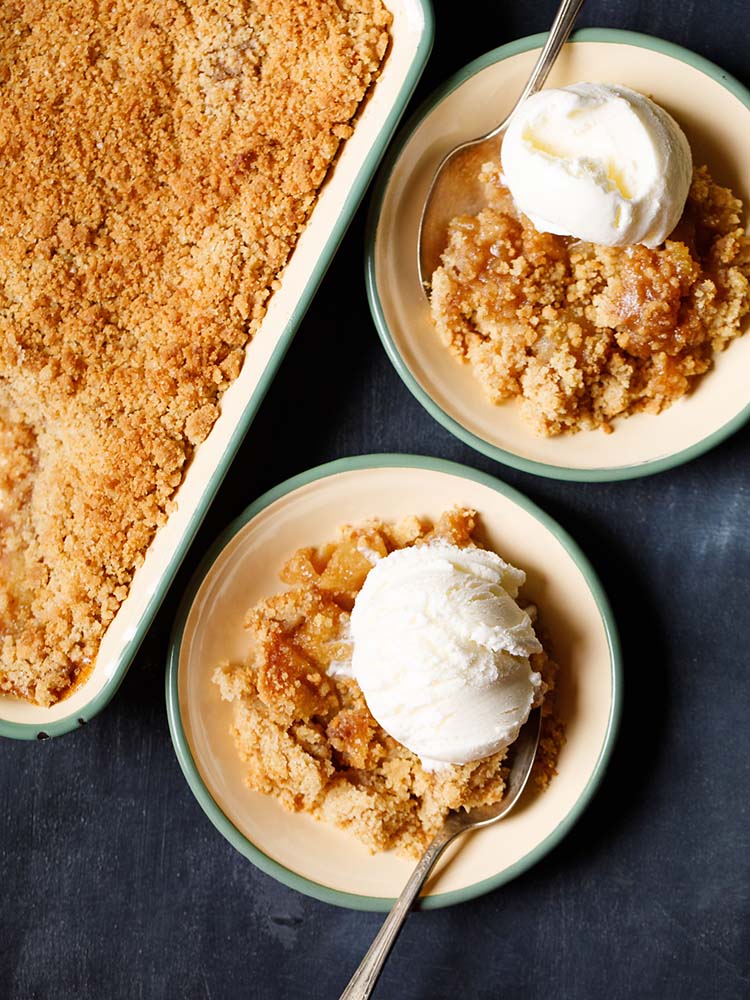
363,981
455,188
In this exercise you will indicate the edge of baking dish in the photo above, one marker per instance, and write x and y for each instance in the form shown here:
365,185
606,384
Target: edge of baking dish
411,41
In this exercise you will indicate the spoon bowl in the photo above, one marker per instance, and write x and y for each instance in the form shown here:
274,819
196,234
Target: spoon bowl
523,756
455,188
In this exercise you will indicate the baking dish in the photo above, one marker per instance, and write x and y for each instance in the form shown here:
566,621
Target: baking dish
411,39
242,567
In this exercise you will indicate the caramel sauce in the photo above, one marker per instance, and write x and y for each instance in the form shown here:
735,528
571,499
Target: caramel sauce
582,333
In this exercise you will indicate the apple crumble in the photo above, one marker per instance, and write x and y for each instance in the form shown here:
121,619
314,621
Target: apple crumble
159,163
583,333
301,724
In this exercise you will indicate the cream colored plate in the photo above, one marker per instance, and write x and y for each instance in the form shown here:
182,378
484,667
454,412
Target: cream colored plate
243,567
715,114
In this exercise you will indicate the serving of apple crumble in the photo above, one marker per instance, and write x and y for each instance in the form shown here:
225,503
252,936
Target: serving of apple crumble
302,727
582,333
159,163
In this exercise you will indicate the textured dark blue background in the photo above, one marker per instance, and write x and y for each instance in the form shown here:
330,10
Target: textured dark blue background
113,884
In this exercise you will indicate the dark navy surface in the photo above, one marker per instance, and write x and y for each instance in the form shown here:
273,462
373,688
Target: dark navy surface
113,884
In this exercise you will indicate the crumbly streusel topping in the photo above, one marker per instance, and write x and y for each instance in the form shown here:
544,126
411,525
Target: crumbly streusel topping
581,333
159,163
304,731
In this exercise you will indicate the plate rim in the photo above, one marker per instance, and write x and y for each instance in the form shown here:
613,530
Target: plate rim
614,473
190,769
75,720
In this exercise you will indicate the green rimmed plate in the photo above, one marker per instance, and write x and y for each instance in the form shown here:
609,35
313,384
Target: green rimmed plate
713,109
242,567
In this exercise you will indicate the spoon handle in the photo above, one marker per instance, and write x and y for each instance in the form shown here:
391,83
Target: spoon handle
558,35
363,981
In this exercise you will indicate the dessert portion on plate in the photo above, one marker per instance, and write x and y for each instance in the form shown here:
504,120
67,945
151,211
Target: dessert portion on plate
604,272
160,162
385,687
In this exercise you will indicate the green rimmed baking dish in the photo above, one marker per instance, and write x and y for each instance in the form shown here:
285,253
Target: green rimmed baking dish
411,34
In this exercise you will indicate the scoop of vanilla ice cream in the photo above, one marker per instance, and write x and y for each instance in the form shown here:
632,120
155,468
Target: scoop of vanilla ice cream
598,162
441,651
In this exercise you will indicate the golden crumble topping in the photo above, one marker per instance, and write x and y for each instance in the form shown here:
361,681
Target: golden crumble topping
582,333
303,729
159,163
